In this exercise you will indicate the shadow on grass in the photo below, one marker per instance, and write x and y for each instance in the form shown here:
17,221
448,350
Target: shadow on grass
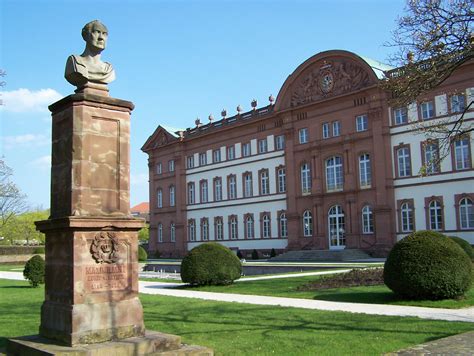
16,287
372,297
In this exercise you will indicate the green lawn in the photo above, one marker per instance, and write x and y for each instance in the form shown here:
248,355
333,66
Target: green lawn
240,329
287,287
12,268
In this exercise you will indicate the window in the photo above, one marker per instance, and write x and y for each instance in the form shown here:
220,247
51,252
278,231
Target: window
192,230
406,210
172,196
219,228
202,159
435,215
246,149
281,173
362,123
305,179
466,214
233,227
248,185
280,142
325,130
400,116
191,193
427,110
204,191
172,232
336,128
204,229
249,227
334,174
266,227
404,162
160,232
303,135
367,220
216,156
159,198
307,223
190,162
462,157
171,165
264,182
231,152
336,227
262,146
430,157
458,103
217,189
365,176
283,225
159,168
232,187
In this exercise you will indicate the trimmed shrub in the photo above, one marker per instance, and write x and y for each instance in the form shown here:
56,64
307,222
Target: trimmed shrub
210,264
142,255
17,250
427,265
254,255
464,245
34,270
273,253
39,250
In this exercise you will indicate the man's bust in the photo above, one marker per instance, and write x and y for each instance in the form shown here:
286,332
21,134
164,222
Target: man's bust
88,66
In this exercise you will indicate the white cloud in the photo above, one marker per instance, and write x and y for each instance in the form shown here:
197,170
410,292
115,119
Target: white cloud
27,140
139,179
43,163
25,100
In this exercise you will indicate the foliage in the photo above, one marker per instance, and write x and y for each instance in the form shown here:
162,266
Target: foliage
254,255
210,264
427,265
17,250
466,246
273,253
21,229
12,201
39,250
34,270
355,277
142,254
433,38
144,234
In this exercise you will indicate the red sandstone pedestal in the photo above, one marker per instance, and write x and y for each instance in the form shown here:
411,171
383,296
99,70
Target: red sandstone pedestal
91,239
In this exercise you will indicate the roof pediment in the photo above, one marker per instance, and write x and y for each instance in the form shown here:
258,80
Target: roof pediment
160,137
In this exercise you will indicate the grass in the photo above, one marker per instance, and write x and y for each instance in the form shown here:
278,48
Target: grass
288,287
12,268
241,329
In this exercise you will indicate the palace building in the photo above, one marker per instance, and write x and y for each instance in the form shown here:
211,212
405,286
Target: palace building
328,165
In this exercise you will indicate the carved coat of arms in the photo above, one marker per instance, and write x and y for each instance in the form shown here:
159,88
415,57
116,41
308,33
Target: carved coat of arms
104,248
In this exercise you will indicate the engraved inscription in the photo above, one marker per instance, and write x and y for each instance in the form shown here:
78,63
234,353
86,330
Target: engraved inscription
107,277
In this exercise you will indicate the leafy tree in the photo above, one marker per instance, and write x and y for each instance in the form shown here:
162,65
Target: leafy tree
12,201
433,38
34,270
22,227
144,234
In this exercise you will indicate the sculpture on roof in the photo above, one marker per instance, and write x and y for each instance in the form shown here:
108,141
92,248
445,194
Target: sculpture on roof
88,67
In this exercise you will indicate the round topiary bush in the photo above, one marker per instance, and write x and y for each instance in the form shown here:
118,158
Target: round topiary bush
142,255
210,264
464,245
34,270
427,265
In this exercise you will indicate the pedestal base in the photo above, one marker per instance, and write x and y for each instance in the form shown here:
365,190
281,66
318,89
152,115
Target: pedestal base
153,343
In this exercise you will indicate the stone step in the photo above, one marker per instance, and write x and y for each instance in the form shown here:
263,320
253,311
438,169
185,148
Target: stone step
322,255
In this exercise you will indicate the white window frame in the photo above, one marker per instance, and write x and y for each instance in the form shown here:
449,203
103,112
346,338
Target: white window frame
202,159
232,193
171,165
264,182
233,228
283,225
219,229
160,232
172,196
435,217
172,232
404,162
458,103
305,175
307,223
400,116
303,135
250,227
262,146
281,173
190,162
365,173
205,230
362,123
159,198
248,185
216,156
427,110
334,174
266,226
231,152
159,168
407,216
218,189
462,156
280,142
367,220
466,214
325,130
204,191
336,129
192,230
191,193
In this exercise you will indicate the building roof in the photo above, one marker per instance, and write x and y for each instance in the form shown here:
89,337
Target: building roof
141,208
378,67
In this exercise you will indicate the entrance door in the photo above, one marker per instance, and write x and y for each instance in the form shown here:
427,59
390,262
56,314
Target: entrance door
337,232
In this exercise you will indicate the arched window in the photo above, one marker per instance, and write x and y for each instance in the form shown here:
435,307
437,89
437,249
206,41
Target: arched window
337,227
404,162
436,215
367,220
191,193
172,196
233,228
264,182
334,174
283,225
281,180
249,227
172,232
307,223
266,229
406,210
204,229
305,178
160,232
466,213
192,230
159,198
365,176
219,228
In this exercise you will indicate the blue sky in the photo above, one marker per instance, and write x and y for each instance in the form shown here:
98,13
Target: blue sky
176,60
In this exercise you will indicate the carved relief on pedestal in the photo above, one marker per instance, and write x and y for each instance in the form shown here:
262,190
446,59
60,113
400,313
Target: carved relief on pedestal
329,78
105,247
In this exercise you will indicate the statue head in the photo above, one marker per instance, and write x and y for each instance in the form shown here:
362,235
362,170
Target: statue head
95,34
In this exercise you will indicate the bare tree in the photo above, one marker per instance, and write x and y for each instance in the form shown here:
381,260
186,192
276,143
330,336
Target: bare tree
433,39
2,83
12,201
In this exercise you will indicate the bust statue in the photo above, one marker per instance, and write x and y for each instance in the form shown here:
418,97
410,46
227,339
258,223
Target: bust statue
88,66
